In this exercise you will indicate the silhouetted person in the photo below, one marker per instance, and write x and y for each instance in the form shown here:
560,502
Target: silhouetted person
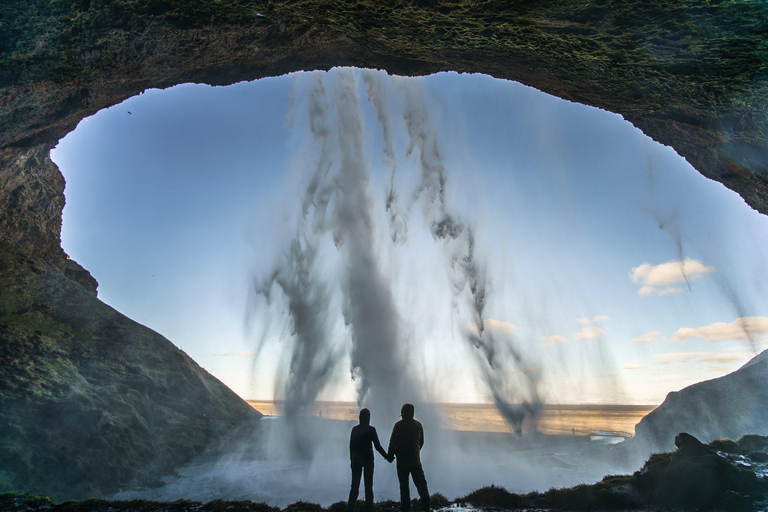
361,442
405,445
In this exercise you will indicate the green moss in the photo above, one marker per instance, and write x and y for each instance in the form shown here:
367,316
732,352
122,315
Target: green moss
303,506
724,445
657,457
699,64
492,496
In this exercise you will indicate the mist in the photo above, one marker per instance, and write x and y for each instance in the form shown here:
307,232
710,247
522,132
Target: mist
417,254
342,203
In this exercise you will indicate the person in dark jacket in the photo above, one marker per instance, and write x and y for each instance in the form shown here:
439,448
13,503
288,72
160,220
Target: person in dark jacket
361,442
405,445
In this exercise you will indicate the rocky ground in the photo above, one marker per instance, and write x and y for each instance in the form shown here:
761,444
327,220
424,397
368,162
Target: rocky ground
723,475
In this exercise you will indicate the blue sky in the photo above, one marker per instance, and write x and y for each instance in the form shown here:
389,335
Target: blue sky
178,199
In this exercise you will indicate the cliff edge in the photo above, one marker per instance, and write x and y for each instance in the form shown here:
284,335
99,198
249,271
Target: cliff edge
727,407
90,400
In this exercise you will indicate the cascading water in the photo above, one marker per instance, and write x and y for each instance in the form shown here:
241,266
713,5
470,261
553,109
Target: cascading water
338,204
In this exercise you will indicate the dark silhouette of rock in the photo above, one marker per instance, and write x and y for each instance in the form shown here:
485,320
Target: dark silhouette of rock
61,62
689,446
726,407
697,477
89,399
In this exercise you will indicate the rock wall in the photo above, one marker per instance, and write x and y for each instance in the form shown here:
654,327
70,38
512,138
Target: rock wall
91,401
727,407
693,75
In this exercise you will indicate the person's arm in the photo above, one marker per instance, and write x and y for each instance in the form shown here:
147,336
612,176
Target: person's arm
421,436
392,444
377,445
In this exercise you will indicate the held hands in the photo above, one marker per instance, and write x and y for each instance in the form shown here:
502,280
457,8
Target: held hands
390,458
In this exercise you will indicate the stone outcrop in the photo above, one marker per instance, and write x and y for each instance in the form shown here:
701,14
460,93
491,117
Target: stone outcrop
695,477
726,407
90,400
693,75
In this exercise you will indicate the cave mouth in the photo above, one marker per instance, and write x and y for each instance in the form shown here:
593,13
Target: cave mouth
603,244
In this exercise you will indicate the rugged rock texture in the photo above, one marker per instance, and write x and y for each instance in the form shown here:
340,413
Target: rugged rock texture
32,198
698,478
730,406
693,74
89,399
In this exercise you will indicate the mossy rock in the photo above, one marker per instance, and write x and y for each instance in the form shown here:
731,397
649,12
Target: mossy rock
494,497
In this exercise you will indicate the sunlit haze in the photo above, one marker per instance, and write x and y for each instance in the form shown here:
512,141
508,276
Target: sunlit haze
619,272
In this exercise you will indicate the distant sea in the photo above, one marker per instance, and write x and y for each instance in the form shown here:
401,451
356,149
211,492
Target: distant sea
581,420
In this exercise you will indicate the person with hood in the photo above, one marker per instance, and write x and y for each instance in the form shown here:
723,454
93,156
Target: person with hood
405,445
361,442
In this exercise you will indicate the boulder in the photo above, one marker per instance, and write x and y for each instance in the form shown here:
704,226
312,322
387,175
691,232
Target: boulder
697,477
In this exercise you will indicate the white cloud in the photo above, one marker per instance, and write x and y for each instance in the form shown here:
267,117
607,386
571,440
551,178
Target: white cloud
589,333
551,340
499,325
236,354
493,325
678,357
635,366
583,321
724,358
648,338
698,357
749,328
658,279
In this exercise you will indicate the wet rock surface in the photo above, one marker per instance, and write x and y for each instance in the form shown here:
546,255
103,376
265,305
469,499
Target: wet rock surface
692,76
91,401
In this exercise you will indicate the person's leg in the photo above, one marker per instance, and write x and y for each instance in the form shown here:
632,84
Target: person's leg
405,488
357,471
420,481
368,475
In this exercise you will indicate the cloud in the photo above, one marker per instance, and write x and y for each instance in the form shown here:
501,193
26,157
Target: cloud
551,340
648,338
583,321
658,279
236,354
678,357
749,328
634,366
699,357
589,333
724,358
645,291
493,325
499,325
